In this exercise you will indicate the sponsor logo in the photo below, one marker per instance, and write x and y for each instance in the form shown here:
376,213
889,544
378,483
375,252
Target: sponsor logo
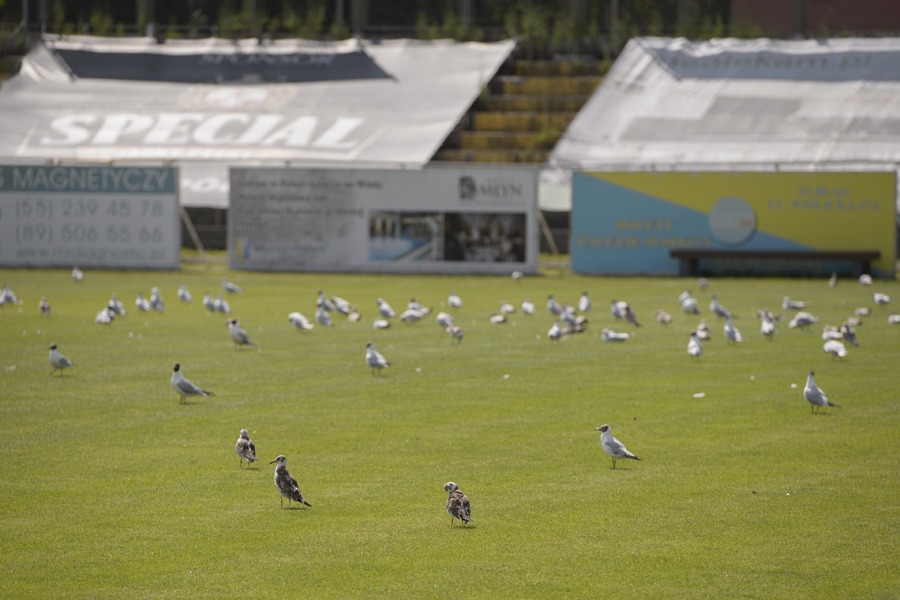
490,188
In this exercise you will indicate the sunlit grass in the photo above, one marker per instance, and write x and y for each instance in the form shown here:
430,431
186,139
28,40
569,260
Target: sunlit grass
111,488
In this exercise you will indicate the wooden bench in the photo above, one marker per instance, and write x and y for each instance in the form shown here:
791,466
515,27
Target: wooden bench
689,258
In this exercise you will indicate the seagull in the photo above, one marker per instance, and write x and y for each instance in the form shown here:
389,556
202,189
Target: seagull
156,301
286,484
142,303
584,303
621,310
815,396
788,304
835,348
612,446
498,319
574,323
323,317
7,296
862,311
374,358
418,307
77,275
553,306
183,294
527,307
44,306
444,320
688,303
718,309
208,302
245,449
299,321
184,387
703,283
802,319
731,332
238,334
848,334
832,281
893,319
454,301
611,336
221,305
105,316
517,275
555,331
384,309
506,308
663,317
411,315
324,303
353,315
231,288
694,347
830,332
380,324
880,298
702,330
456,333
341,305
457,504
767,324
865,279
58,361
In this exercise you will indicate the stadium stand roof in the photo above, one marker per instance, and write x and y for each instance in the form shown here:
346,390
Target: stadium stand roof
207,104
750,104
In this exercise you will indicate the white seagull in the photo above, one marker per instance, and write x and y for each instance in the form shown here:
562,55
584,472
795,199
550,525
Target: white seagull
456,333
142,303
454,301
221,305
77,275
527,307
323,317
457,504
694,347
324,303
183,294
506,308
58,362
374,358
231,288
245,449
553,306
803,319
788,304
718,309
767,324
156,300
380,324
835,348
342,306
44,306
833,280
286,484
688,303
299,321
445,320
384,309
612,446
555,331
848,334
880,298
498,319
663,317
116,305
815,396
865,279
611,336
584,303
238,335
732,334
184,387
703,332
208,302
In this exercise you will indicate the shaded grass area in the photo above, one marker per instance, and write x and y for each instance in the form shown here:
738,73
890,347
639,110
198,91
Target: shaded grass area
112,488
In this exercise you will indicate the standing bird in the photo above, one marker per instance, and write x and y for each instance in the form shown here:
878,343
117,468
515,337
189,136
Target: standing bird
457,504
238,335
231,288
718,309
835,348
44,306
374,358
183,294
58,361
555,331
584,303
663,317
612,446
767,324
77,275
299,321
156,301
553,306
527,307
245,449
694,348
832,281
815,396
688,303
142,303
286,484
732,334
208,302
184,387
454,301
880,298
323,317
384,309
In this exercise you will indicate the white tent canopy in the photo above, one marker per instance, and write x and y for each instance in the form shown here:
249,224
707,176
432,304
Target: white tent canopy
728,103
208,104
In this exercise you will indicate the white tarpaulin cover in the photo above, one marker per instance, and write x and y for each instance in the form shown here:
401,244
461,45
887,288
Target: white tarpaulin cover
218,102
732,103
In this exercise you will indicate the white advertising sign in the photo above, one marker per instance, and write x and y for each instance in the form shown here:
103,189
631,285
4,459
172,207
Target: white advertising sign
94,216
435,220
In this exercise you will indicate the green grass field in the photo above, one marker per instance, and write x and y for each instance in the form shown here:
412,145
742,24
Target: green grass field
112,489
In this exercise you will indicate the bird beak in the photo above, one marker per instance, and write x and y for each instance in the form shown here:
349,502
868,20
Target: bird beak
273,462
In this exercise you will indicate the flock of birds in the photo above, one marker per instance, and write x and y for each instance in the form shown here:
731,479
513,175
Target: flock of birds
568,320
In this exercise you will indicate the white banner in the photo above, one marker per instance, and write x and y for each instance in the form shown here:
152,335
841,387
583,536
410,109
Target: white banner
97,217
435,220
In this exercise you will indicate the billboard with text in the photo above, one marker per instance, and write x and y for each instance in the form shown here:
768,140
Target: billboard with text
626,222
